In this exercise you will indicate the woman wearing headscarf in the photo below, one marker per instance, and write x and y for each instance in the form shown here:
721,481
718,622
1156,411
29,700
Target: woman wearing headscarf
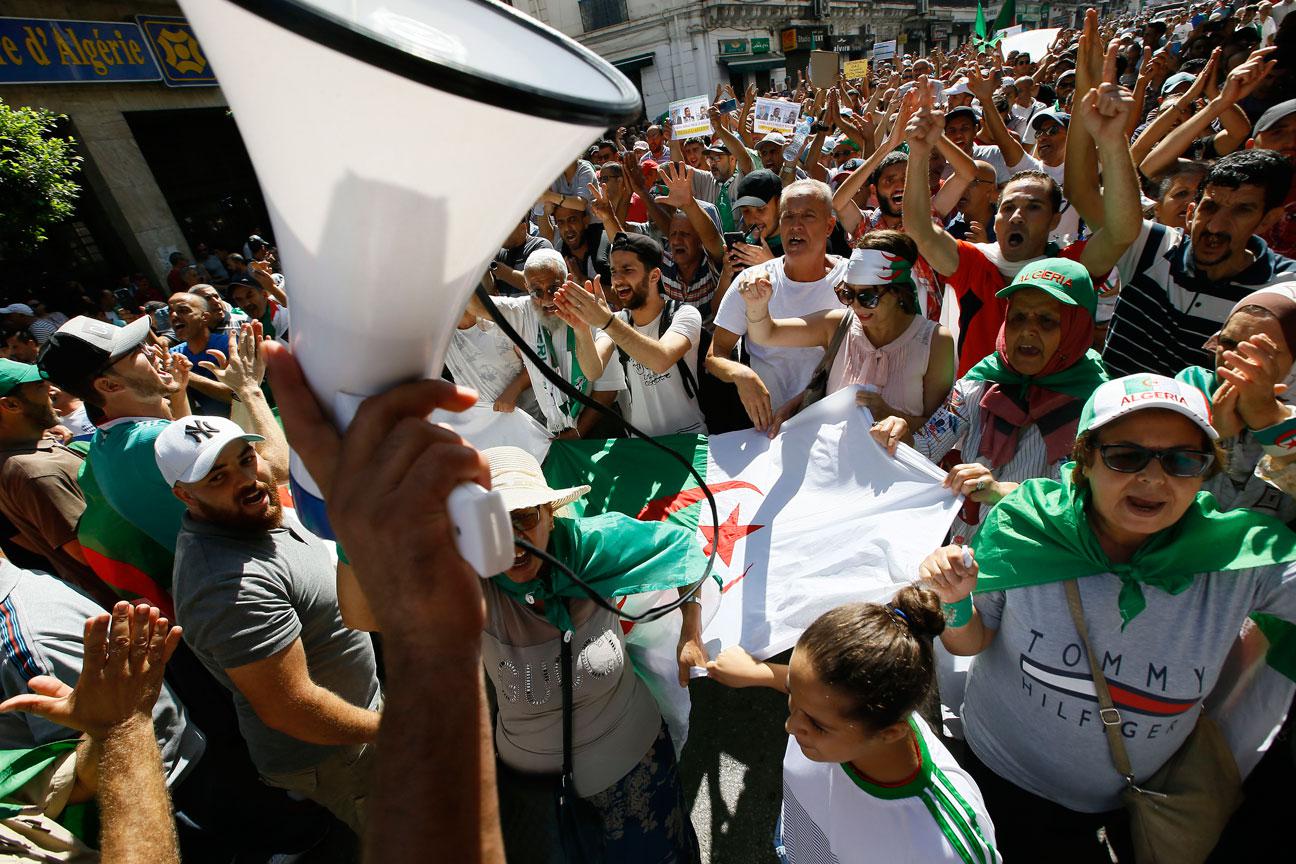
1253,354
628,804
1160,579
1250,409
905,361
1015,413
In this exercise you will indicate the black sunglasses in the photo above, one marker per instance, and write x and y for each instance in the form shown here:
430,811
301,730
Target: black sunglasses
542,291
1177,462
868,298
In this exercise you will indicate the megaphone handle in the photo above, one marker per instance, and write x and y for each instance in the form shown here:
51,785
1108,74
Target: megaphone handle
483,530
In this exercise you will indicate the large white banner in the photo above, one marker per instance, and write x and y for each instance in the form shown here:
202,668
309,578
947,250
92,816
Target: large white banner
817,517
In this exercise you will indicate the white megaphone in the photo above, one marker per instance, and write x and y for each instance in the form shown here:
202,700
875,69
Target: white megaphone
396,143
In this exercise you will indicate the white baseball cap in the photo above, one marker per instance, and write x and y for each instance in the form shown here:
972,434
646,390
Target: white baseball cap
1115,399
187,449
958,88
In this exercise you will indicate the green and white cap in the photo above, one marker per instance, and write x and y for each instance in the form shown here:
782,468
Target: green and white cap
1062,279
1122,396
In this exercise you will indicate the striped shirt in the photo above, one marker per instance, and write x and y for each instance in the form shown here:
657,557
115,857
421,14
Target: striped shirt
956,425
834,815
1167,310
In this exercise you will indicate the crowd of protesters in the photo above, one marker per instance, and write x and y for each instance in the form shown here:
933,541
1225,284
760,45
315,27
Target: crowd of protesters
1087,320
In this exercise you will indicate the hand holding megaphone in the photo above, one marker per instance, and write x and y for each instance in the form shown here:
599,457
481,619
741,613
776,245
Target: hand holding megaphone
399,489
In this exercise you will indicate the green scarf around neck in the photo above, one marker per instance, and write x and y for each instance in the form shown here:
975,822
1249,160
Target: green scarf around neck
1078,380
616,555
1040,533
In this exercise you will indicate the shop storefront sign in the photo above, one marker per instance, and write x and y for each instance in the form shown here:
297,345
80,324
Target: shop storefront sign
45,51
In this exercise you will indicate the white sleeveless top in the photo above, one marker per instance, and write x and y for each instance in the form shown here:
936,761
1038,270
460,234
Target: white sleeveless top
896,369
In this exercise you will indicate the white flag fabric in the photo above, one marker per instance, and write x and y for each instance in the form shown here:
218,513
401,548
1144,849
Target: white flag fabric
817,517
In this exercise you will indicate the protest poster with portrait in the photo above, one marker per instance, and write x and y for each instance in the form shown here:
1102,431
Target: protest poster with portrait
688,117
775,115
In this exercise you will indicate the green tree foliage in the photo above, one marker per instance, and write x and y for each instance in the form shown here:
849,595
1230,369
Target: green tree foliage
37,189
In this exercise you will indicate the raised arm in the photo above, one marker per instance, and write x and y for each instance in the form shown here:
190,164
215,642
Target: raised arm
983,88
1168,115
603,210
243,374
922,133
1080,171
848,212
1241,82
736,147
964,173
121,676
1104,111
679,186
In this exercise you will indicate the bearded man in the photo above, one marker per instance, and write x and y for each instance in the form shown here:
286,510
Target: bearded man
257,593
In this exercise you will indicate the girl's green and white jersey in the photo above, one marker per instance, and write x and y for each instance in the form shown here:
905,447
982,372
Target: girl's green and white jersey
832,815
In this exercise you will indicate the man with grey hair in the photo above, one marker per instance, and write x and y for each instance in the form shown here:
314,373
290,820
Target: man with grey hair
566,345
803,279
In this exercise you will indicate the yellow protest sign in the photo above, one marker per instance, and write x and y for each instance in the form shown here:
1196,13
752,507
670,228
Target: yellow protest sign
855,69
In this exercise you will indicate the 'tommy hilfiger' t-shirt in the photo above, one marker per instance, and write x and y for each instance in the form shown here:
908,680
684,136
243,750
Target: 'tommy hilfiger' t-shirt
834,815
1030,712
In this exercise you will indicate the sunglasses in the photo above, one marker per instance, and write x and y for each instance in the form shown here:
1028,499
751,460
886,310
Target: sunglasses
544,291
525,520
1131,459
843,154
868,298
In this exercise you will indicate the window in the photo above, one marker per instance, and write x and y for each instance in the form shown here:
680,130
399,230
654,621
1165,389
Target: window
596,14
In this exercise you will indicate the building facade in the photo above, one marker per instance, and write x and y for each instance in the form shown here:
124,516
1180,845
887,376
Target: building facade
674,49
163,164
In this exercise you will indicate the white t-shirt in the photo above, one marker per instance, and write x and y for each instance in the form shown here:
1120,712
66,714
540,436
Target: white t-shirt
79,423
833,815
1022,115
553,342
482,358
785,371
656,402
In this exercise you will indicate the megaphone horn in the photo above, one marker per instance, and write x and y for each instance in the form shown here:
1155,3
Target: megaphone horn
395,143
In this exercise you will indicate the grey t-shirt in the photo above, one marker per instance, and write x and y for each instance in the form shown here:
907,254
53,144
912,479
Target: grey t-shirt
245,596
616,718
42,622
1030,712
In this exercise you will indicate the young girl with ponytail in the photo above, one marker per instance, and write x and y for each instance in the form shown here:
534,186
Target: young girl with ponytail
864,777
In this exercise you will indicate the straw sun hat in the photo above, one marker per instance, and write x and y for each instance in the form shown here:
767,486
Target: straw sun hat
516,475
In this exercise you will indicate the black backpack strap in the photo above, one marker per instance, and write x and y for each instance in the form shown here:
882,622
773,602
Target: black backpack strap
663,324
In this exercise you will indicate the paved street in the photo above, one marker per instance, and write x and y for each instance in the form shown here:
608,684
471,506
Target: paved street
732,770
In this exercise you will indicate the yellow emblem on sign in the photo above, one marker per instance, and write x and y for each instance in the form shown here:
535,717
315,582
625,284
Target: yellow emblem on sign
180,51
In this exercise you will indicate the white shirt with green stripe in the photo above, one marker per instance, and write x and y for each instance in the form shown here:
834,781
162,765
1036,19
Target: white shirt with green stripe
833,815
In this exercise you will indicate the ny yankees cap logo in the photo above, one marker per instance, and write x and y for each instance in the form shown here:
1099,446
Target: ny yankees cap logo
200,430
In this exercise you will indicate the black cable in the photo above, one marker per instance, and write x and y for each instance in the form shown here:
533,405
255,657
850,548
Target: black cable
547,371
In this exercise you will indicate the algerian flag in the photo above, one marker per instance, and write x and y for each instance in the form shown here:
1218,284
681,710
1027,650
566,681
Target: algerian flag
817,517
1007,16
